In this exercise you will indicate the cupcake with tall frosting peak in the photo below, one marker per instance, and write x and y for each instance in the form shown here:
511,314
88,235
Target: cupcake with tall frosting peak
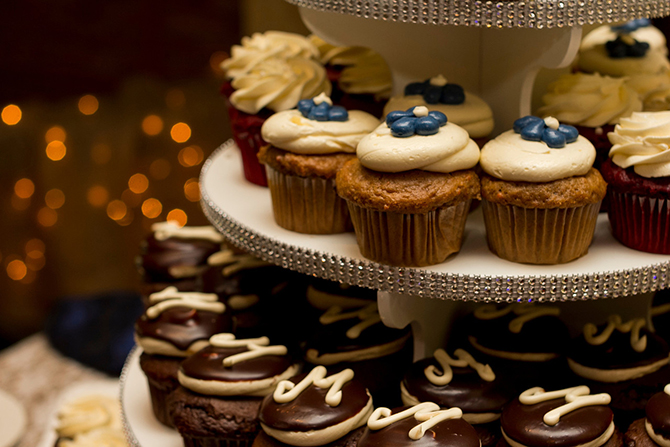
463,108
638,175
540,193
410,188
306,147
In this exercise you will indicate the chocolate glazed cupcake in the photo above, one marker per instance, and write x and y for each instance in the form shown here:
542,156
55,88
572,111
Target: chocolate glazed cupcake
357,339
460,382
654,429
625,360
222,387
423,425
315,410
173,327
567,417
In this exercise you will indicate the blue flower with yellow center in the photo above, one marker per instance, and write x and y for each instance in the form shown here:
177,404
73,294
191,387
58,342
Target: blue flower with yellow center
533,128
407,123
322,111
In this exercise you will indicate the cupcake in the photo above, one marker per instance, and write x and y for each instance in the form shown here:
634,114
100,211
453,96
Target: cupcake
463,382
315,410
90,420
654,429
173,327
638,175
222,387
410,187
423,425
540,194
268,73
306,148
593,104
462,108
562,418
623,359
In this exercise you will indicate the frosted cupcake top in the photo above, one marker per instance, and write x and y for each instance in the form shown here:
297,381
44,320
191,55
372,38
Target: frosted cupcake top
318,127
654,90
642,141
589,100
640,30
463,108
531,152
403,143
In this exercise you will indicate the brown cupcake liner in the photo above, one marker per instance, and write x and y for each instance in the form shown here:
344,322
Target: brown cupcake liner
539,236
159,396
409,240
307,204
639,222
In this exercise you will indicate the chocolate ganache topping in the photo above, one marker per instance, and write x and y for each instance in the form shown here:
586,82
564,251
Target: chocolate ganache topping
658,417
463,383
568,417
423,425
617,351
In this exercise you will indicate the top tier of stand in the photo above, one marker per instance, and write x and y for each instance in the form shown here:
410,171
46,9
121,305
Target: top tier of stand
495,14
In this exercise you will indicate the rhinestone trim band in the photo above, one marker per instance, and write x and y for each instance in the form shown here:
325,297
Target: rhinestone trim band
500,14
127,430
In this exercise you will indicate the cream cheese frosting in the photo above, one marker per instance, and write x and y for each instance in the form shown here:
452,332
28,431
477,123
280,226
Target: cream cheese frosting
291,131
654,90
603,34
474,115
642,141
589,100
449,150
278,84
511,158
597,60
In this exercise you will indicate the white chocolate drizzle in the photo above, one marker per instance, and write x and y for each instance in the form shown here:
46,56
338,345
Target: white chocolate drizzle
166,230
660,310
234,263
525,312
368,316
575,397
446,362
257,347
170,297
427,413
666,389
639,344
287,391
240,302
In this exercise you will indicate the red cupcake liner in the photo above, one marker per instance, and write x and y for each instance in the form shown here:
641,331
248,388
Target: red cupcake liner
639,222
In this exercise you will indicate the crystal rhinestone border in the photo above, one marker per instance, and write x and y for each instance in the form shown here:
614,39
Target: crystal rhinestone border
494,14
418,282
128,432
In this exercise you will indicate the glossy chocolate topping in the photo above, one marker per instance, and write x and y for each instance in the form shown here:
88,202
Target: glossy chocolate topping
616,352
658,414
207,364
309,410
449,433
181,326
524,424
467,390
158,256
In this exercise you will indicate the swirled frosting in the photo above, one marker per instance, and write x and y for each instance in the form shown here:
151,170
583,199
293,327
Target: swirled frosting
642,141
449,150
262,46
365,71
589,100
511,158
278,84
654,90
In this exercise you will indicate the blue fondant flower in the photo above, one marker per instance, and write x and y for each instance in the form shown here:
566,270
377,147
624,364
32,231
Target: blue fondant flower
433,94
626,47
631,26
406,123
533,128
322,111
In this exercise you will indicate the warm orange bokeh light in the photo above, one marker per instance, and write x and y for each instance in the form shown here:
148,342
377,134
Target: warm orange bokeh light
180,132
55,133
160,168
17,270
152,208
97,196
152,125
177,216
35,245
24,188
215,61
54,198
116,210
88,104
35,261
56,150
47,217
190,156
101,154
138,183
192,190
175,99
127,219
11,114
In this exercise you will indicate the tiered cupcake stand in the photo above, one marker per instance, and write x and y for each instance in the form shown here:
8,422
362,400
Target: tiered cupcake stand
496,51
